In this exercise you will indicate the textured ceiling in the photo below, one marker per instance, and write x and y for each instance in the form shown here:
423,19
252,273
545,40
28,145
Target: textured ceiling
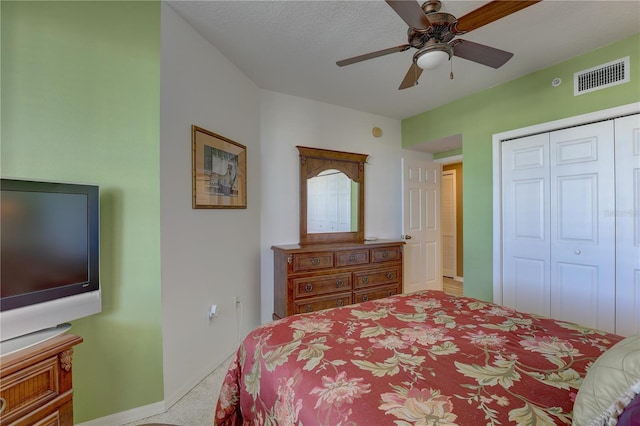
292,46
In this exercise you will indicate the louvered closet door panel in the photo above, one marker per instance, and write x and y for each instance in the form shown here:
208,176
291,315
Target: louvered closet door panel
583,225
525,182
627,216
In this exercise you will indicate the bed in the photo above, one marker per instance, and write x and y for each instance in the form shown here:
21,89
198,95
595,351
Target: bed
426,358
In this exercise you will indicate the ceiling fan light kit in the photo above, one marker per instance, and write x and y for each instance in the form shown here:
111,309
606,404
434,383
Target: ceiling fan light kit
432,33
433,56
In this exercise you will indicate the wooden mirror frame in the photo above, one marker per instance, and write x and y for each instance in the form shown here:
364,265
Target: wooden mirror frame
313,161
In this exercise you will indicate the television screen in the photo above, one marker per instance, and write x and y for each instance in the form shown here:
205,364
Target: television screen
44,243
49,242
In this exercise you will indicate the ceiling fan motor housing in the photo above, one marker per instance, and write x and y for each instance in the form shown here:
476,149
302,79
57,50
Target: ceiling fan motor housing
431,6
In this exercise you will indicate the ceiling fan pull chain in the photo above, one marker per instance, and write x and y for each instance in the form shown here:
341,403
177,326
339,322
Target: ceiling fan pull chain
451,74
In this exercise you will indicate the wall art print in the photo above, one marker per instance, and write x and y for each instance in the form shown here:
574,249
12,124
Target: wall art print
219,171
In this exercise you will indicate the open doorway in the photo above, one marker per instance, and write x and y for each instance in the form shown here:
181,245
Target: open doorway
448,152
452,229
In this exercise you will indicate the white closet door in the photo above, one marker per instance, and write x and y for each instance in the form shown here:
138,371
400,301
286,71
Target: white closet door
628,225
525,198
583,225
448,224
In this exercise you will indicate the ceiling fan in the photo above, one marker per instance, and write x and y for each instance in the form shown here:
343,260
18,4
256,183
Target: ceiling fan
433,33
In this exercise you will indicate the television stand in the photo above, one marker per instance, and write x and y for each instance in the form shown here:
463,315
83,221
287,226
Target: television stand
36,383
23,342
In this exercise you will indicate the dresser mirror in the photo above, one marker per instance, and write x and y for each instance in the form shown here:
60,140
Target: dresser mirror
331,196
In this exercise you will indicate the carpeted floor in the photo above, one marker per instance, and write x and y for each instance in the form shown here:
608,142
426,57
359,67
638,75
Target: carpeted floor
196,408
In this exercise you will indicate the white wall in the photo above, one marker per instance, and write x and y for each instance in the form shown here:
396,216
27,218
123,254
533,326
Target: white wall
287,121
208,256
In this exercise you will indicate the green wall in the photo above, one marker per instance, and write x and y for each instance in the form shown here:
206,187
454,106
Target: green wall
81,103
523,102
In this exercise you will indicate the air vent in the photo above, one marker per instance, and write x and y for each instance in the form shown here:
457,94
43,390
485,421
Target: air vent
601,77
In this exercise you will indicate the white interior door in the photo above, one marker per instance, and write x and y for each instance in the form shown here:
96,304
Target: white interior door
628,225
583,225
448,223
526,222
421,225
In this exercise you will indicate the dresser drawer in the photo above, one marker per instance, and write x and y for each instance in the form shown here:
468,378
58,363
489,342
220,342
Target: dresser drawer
312,261
352,257
318,285
385,254
376,277
375,293
320,303
30,388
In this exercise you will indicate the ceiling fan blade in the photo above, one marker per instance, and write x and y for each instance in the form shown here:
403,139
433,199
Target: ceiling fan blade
411,12
411,78
476,52
372,55
490,12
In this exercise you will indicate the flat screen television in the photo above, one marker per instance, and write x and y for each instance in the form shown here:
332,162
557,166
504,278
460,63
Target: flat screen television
49,256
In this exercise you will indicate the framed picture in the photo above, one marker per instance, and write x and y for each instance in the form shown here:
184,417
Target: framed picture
219,171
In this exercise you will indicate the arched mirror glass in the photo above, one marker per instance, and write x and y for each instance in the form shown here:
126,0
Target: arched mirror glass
332,203
331,196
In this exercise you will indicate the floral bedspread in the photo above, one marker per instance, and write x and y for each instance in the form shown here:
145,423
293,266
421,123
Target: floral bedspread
421,359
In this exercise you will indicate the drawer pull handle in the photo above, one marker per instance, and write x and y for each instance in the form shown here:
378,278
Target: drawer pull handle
315,260
391,293
309,308
3,405
340,303
389,275
339,283
365,298
308,287
365,279
385,254
352,258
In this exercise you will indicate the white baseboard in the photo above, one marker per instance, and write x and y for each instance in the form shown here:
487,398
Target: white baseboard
128,416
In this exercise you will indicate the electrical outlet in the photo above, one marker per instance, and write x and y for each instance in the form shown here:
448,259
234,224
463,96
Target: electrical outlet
213,311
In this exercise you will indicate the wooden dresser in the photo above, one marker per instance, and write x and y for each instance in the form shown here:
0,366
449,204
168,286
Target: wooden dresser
309,278
36,385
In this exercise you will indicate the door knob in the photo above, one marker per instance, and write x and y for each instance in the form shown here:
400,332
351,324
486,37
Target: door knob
407,237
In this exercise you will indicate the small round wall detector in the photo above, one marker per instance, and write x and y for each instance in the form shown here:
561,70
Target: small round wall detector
556,82
377,132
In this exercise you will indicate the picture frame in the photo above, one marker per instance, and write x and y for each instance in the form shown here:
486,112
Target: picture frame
219,171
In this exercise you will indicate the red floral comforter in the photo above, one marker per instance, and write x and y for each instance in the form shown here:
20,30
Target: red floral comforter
421,359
